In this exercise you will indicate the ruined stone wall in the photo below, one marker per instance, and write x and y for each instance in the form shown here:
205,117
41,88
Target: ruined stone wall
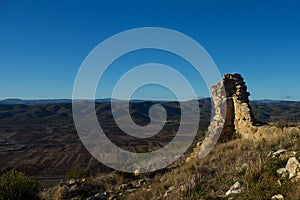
238,111
238,104
239,120
233,117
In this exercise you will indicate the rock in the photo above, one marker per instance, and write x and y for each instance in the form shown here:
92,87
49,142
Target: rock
99,196
63,192
183,188
277,197
62,183
282,172
243,167
126,186
279,182
91,198
292,167
279,152
123,187
73,188
188,159
171,188
198,144
136,172
106,193
131,190
142,182
113,197
270,154
76,198
129,186
71,182
166,194
235,189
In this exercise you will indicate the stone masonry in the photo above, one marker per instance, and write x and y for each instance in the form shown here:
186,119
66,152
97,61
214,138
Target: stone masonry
238,111
239,119
233,117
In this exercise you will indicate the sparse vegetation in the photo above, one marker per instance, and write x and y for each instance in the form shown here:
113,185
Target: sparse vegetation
240,160
77,173
15,185
243,160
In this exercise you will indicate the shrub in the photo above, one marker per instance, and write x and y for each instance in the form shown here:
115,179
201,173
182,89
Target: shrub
77,173
15,185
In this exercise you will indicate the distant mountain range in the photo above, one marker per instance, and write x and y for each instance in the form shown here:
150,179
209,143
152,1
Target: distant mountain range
34,102
44,130
13,110
271,101
51,101
105,100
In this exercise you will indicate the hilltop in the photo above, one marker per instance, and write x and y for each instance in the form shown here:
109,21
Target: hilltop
39,138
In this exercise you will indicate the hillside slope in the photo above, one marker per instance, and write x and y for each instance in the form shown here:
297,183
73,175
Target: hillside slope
253,164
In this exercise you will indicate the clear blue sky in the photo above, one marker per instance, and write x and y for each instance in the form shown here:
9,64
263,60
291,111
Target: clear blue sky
42,43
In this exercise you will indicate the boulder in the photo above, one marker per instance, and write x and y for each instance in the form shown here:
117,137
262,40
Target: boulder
292,167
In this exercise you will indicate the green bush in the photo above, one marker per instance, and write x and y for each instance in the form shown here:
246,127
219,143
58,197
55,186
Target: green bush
15,185
77,173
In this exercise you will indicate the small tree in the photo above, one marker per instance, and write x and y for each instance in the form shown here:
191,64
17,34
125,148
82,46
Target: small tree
15,185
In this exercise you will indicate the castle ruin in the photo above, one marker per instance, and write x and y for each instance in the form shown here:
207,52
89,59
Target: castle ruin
233,116
239,119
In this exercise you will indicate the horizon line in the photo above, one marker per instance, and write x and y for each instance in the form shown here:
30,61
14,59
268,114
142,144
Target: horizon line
135,99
